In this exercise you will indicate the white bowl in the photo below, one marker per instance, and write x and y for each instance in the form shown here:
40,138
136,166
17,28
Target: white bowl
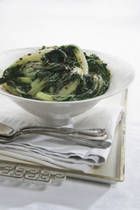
122,75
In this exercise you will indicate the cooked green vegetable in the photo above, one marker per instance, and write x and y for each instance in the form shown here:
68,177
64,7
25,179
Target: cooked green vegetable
64,73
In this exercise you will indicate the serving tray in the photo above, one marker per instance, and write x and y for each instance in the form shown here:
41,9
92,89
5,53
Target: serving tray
112,171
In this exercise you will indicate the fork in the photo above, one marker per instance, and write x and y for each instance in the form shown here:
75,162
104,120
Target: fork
87,137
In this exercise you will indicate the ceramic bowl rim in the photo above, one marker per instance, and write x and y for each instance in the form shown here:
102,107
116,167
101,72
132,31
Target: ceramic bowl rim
105,95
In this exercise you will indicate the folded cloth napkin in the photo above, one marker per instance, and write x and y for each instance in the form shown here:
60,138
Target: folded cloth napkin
41,206
52,152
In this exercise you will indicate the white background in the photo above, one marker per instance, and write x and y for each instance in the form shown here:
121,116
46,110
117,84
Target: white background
111,26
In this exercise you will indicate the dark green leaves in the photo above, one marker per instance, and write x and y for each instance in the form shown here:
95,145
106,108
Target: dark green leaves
54,56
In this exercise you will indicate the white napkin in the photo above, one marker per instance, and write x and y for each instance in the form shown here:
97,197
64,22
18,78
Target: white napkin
41,206
62,154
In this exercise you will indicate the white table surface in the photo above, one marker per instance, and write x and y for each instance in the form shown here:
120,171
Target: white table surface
110,26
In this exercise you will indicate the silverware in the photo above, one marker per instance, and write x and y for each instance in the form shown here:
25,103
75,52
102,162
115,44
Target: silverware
87,137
